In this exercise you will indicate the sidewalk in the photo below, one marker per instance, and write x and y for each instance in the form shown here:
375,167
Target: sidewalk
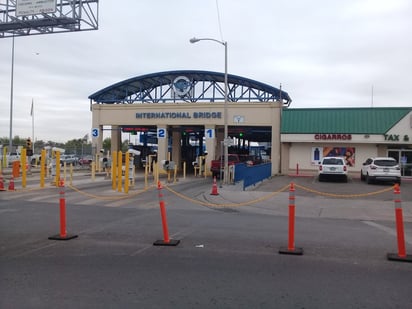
273,202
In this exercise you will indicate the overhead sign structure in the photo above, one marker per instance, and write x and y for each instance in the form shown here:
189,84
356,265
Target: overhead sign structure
31,17
33,7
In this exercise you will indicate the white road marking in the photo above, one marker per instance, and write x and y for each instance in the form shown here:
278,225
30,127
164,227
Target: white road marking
388,230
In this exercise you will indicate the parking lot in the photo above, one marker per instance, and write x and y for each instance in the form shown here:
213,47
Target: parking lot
353,186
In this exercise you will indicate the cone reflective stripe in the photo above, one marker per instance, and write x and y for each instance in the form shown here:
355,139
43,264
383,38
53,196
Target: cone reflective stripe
166,240
291,235
400,232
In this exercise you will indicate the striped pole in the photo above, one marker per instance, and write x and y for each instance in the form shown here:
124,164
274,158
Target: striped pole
291,242
291,235
166,240
63,233
400,232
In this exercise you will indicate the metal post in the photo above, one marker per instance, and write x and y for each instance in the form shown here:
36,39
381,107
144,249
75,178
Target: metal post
225,112
226,133
291,249
11,98
400,230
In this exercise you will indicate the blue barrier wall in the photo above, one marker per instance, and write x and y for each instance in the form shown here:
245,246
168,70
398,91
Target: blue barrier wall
252,174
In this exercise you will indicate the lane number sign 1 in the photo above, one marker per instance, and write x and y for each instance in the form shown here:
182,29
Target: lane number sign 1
210,133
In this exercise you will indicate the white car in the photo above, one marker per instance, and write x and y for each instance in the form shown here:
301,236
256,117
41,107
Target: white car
381,168
11,157
69,159
333,167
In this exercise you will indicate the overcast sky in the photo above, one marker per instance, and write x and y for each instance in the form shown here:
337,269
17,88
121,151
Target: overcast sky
325,53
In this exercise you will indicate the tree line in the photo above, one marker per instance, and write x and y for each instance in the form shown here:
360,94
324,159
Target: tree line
79,147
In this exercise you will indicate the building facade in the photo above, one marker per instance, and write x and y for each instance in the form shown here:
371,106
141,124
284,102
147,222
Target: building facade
307,135
175,106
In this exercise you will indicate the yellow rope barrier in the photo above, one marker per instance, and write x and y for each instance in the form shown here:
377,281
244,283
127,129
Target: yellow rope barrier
276,192
344,195
108,198
210,204
228,204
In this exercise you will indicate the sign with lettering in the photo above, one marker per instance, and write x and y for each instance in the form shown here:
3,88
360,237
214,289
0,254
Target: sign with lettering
334,136
95,132
210,133
396,138
179,115
33,7
161,133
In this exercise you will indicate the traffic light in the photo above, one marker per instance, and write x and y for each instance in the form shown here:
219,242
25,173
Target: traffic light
241,134
29,149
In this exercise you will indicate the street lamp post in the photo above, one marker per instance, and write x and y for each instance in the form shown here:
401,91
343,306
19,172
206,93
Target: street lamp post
11,97
225,113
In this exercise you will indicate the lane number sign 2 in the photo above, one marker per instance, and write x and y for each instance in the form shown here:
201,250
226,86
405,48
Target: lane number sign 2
161,133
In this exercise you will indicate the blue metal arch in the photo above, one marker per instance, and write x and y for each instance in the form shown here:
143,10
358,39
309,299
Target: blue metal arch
205,86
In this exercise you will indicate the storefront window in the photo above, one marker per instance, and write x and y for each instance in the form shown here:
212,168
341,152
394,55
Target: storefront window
404,157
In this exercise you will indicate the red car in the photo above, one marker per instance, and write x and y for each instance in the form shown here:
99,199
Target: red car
86,160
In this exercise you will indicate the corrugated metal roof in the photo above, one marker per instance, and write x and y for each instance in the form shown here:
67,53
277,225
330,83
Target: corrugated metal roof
341,120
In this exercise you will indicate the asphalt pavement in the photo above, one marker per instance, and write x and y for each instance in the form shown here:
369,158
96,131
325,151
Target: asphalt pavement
228,255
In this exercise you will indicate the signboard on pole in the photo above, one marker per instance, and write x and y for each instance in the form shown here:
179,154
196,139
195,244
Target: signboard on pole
34,7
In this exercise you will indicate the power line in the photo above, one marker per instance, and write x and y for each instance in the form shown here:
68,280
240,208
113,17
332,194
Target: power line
218,20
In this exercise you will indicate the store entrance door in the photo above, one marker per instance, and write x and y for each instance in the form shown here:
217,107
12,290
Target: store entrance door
404,158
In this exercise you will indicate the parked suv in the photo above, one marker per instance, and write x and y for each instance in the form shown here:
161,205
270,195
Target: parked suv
381,168
333,167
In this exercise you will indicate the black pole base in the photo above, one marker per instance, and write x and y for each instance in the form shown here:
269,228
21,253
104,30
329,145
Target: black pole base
294,251
58,237
396,257
172,242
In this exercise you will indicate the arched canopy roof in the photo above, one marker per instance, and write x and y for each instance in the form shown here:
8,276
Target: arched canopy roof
188,86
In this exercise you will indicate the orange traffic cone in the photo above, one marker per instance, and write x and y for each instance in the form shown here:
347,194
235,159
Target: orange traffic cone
214,187
11,184
1,182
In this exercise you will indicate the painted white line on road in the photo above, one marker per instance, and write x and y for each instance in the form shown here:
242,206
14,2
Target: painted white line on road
388,230
7,210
